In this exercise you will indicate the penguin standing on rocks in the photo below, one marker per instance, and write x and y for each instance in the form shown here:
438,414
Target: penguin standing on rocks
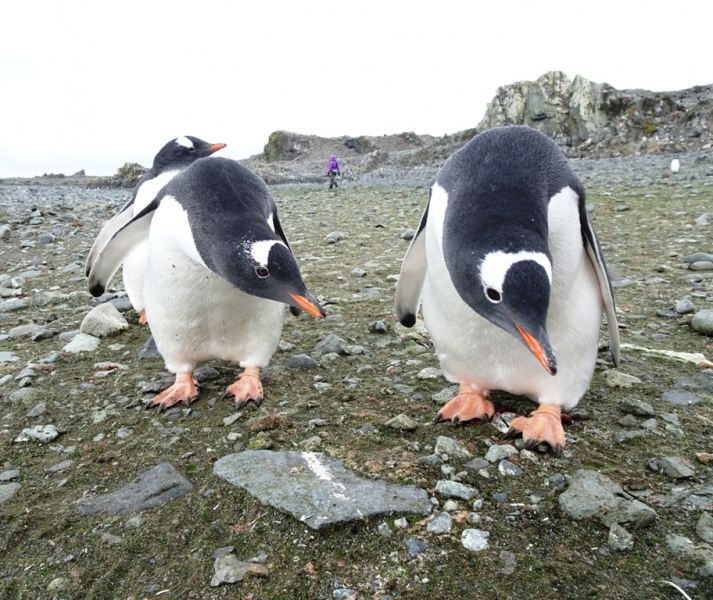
174,157
512,281
219,273
675,165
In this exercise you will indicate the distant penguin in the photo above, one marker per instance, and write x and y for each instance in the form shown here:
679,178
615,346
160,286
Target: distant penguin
510,272
174,157
675,165
220,271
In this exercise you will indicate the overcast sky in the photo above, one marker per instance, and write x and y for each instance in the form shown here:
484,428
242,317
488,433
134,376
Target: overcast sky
91,85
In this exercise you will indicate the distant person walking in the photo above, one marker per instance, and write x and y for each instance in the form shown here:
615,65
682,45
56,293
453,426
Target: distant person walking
333,171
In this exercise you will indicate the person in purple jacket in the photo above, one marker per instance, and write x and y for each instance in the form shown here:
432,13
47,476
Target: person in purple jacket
333,171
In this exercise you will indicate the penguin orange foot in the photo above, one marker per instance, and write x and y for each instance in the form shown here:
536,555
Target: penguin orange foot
543,425
469,404
247,387
142,318
185,390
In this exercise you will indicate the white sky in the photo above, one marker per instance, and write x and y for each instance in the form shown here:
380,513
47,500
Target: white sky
93,84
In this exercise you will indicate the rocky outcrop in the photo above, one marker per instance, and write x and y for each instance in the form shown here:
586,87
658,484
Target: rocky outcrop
597,120
125,177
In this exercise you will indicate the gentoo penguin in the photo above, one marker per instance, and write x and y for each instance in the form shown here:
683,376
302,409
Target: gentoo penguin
219,273
512,280
175,156
675,165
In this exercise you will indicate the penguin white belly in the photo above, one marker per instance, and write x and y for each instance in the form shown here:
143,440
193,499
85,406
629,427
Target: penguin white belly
474,351
195,314
133,273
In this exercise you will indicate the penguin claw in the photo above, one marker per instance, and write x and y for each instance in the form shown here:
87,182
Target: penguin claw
248,387
185,390
468,405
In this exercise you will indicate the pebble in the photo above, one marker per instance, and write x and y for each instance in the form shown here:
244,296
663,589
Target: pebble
402,422
415,547
632,406
442,523
619,538
676,467
496,452
702,321
506,468
451,447
453,489
302,361
475,540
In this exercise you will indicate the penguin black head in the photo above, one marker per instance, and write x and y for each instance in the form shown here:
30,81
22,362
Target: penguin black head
266,267
183,151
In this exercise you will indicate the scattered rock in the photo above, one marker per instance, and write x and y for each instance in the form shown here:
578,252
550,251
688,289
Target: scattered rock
103,320
228,569
475,540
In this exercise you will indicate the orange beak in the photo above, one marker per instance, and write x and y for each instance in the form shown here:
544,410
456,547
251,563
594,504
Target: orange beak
537,349
216,147
308,305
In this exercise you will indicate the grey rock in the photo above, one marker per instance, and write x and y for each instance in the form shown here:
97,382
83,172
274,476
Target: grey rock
429,373
24,396
40,433
150,350
702,321
228,569
632,406
8,490
380,326
344,594
317,489
453,448
453,489
61,466
43,334
505,467
9,475
37,410
686,306
8,357
701,265
475,540
152,489
508,563
5,232
409,234
497,452
384,530
110,539
698,257
24,330
82,342
445,395
334,237
358,272
676,467
592,495
415,547
402,422
704,527
619,538
331,343
12,305
302,361
628,421
441,524
476,465
103,320
617,379
680,397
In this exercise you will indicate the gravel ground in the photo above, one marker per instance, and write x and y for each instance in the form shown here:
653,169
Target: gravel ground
639,442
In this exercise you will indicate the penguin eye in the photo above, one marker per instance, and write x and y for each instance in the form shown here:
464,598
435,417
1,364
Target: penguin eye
192,149
262,272
493,295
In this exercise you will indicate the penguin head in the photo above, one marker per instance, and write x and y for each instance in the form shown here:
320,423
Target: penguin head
183,151
512,290
266,267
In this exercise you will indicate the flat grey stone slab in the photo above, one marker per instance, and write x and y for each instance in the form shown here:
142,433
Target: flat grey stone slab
317,489
152,489
8,490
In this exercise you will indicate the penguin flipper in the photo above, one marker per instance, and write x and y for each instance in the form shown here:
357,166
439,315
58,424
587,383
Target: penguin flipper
118,221
413,274
115,251
594,251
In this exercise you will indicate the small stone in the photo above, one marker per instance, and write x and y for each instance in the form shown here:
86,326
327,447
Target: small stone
358,272
402,422
508,563
676,467
82,342
334,237
441,524
453,489
415,547
302,361
9,475
704,527
445,395
453,448
681,397
450,506
103,320
331,343
8,490
408,234
429,373
497,452
40,433
228,569
379,327
401,523
111,540
619,538
628,421
384,530
632,406
617,379
702,322
686,306
505,467
475,540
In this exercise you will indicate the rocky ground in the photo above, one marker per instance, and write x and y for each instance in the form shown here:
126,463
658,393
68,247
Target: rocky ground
100,498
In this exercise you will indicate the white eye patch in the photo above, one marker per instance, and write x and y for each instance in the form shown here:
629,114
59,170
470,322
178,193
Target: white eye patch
184,141
496,265
260,251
